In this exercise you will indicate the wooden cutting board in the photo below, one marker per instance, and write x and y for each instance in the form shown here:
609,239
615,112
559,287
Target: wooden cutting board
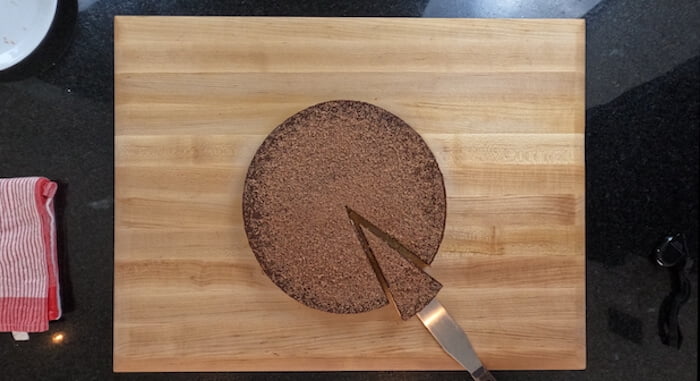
500,103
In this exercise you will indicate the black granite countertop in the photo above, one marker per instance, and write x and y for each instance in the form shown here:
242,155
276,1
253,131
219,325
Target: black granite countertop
643,99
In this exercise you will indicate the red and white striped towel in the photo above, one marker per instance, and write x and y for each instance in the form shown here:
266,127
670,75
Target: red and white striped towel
29,293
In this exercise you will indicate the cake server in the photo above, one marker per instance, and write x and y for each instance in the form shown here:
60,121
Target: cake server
434,316
452,339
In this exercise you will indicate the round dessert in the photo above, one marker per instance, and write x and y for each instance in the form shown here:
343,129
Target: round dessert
302,180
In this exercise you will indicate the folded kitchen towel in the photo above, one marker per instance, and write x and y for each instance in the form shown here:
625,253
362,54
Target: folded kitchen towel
29,292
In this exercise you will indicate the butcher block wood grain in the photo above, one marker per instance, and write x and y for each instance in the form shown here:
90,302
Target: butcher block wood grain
500,103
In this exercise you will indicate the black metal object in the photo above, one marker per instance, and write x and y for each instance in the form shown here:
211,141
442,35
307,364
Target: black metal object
672,254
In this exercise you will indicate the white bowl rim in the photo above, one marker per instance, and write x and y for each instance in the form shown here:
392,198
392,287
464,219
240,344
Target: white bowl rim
23,26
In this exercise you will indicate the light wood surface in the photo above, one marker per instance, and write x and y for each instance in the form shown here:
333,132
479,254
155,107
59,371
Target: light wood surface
500,103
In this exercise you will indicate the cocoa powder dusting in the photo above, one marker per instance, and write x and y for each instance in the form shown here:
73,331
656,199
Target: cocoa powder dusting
320,160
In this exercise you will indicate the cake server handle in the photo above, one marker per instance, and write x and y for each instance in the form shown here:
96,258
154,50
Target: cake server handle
452,339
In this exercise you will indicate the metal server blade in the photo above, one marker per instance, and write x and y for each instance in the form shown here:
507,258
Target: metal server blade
452,339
